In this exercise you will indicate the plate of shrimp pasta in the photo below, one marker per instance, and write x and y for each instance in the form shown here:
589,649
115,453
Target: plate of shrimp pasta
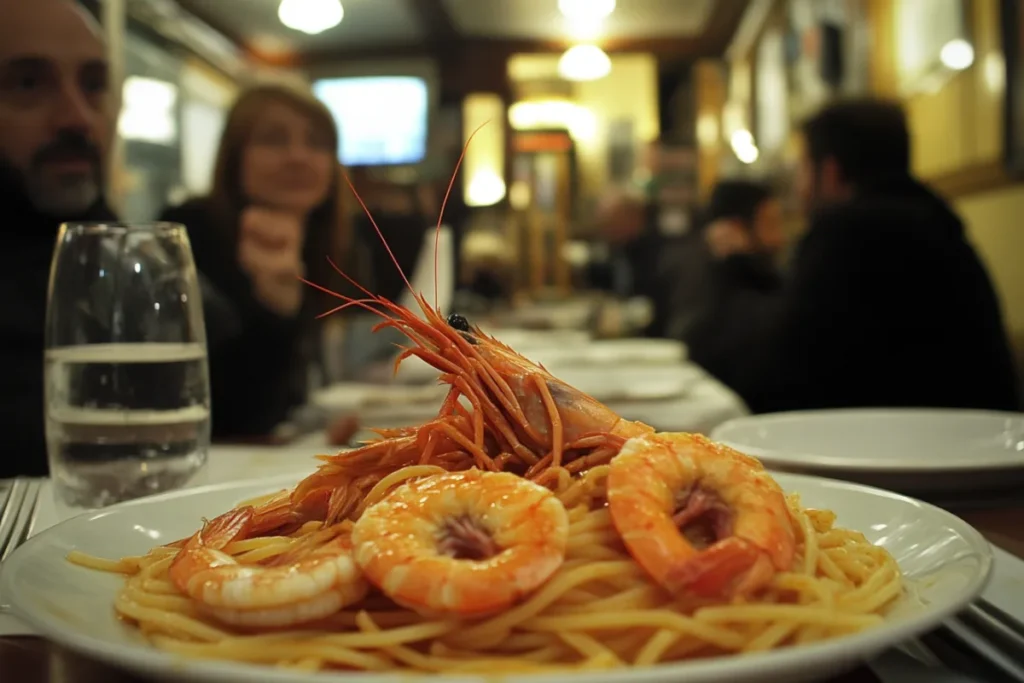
527,532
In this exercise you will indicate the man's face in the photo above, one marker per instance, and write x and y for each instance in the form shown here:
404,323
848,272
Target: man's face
54,124
806,182
819,184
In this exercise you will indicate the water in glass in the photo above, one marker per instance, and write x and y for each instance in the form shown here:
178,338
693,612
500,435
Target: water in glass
106,452
127,389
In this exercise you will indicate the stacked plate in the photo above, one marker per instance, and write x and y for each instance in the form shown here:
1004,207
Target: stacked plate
946,456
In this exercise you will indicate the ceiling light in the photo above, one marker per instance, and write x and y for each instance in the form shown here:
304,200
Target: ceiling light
584,63
586,9
747,155
743,146
957,54
310,16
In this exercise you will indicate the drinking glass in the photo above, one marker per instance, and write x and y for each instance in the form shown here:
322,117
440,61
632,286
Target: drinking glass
127,393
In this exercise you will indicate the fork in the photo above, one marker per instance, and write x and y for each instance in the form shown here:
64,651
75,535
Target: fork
19,514
982,639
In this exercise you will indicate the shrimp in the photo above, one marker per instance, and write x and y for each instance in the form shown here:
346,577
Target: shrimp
502,413
311,583
466,543
699,517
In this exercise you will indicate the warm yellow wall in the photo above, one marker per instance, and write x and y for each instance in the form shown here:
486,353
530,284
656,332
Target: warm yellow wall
958,130
630,91
994,222
961,125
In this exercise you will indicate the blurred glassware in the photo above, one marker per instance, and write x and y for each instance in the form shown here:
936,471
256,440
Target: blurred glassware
127,395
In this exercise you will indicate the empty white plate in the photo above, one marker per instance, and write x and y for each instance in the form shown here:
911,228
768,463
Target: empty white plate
945,561
346,397
629,382
609,352
914,451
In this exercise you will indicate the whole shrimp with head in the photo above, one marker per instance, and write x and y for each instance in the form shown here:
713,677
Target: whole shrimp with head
503,412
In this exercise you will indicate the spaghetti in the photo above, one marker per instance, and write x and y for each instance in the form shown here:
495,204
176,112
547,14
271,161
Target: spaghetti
598,611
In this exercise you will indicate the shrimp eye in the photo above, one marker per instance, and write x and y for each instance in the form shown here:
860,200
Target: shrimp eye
457,321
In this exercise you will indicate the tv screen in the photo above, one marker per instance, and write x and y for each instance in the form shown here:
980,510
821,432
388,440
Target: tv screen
382,120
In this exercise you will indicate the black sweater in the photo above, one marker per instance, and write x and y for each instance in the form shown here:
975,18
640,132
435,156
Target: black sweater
258,372
886,305
29,238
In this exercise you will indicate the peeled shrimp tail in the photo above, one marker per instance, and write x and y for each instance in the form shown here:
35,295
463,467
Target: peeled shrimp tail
314,581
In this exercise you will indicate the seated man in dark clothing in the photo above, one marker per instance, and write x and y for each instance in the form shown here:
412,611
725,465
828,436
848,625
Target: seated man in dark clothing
743,234
55,128
886,302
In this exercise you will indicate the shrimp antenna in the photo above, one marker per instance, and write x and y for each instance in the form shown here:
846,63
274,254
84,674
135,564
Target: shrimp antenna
444,202
379,233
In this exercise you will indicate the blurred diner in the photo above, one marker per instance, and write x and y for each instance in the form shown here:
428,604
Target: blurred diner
275,213
743,235
883,288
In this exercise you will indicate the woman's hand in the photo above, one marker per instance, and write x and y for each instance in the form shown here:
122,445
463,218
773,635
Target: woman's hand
727,237
341,430
270,251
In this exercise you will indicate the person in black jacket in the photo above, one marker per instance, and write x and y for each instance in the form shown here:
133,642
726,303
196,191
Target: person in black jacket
742,235
55,132
274,215
886,303
55,129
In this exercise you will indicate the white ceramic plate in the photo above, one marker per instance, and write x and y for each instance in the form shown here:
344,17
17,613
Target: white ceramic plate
945,559
629,382
610,352
520,339
915,451
346,397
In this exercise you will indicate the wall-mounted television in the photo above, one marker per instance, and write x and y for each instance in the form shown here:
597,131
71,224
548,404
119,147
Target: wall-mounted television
382,120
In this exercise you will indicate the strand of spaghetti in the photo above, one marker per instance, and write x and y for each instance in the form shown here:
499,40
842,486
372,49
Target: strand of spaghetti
660,619
798,613
126,565
544,653
169,620
653,649
829,568
770,637
427,662
807,586
643,597
810,542
242,651
555,588
589,647
381,488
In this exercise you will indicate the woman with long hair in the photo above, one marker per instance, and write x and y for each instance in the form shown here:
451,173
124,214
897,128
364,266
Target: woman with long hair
274,213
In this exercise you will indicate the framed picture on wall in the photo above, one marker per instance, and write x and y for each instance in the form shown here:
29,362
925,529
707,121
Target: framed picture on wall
1012,25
